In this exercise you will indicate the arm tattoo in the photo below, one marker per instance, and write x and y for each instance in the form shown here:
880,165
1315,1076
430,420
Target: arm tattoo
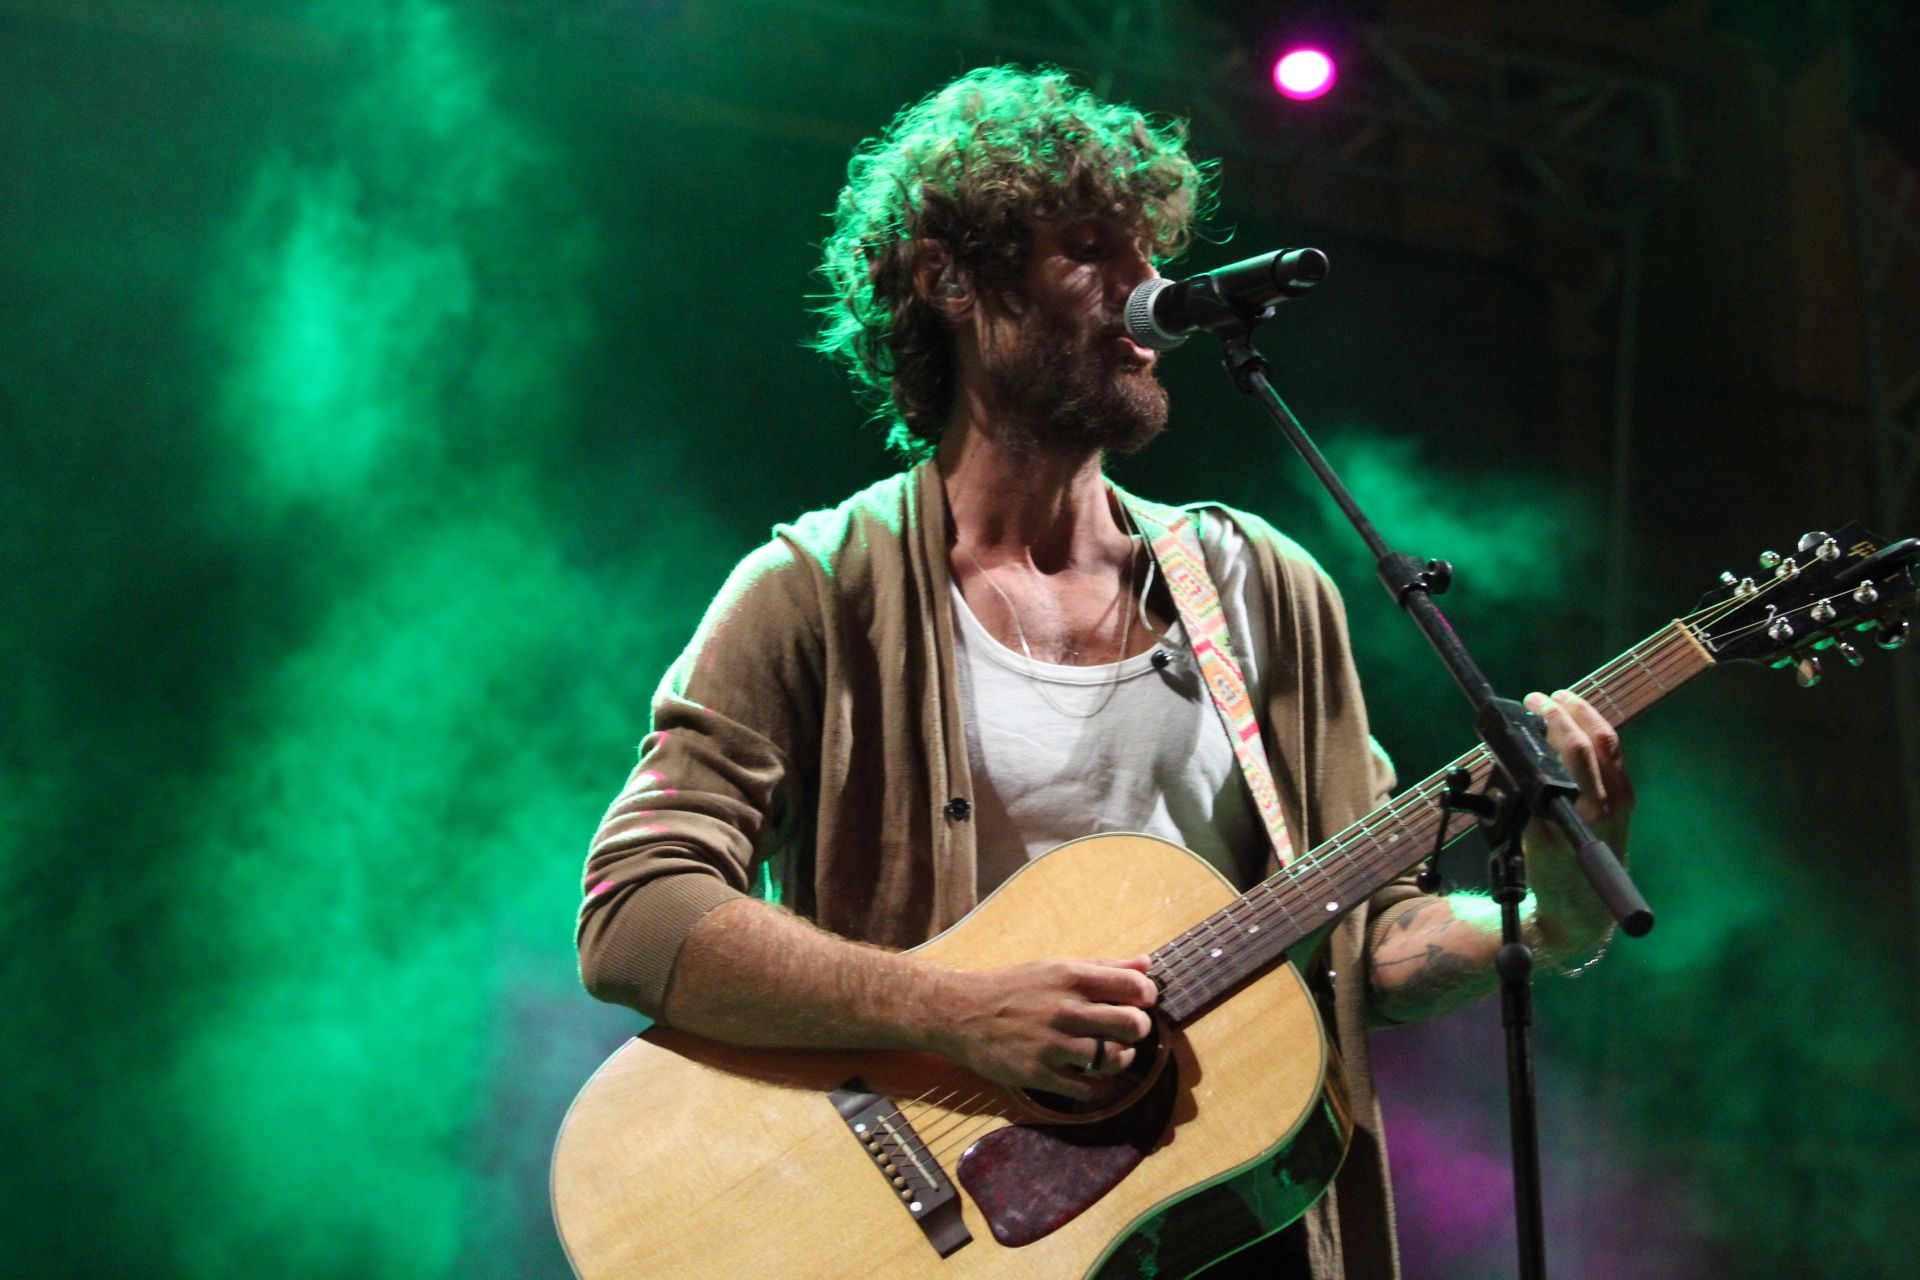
1432,957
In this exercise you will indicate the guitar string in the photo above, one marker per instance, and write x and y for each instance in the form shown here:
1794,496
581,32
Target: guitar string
968,1125
1666,650
1180,957
1317,862
1364,829
959,1120
957,1144
959,1117
1767,622
942,1101
945,1102
1183,952
1661,648
1317,859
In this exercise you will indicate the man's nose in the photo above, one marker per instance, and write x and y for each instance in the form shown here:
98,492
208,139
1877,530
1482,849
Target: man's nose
1131,269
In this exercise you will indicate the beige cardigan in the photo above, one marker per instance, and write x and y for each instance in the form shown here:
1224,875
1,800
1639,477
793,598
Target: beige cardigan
809,745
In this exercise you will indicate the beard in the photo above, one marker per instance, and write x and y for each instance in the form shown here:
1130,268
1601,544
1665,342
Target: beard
1066,388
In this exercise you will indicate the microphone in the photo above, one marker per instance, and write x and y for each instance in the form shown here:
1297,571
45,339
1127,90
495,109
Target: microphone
1161,313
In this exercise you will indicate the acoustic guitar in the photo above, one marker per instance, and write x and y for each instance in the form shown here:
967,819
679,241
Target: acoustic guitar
684,1157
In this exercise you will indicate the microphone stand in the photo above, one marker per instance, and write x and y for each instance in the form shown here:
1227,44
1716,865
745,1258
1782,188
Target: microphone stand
1531,779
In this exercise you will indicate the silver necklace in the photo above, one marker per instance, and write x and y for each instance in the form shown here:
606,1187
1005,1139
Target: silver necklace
1020,633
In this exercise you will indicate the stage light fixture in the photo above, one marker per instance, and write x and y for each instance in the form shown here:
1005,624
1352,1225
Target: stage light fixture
1303,73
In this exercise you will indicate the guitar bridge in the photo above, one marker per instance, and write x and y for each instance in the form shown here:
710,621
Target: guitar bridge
898,1154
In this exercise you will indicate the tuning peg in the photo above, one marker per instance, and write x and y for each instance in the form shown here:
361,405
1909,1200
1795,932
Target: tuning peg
1892,633
1779,631
1727,579
1851,654
1820,544
1769,559
1807,671
1822,612
1866,593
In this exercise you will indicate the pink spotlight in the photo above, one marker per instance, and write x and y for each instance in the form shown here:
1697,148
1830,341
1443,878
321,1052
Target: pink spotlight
1303,74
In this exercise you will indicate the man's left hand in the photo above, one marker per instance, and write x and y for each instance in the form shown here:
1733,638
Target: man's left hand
1570,916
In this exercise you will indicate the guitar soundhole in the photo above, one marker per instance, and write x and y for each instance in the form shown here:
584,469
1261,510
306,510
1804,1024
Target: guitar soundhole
1149,1060
1029,1180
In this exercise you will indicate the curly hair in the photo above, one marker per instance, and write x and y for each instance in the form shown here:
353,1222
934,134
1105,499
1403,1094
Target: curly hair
974,168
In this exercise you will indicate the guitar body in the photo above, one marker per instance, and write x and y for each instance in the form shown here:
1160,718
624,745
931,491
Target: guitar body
687,1158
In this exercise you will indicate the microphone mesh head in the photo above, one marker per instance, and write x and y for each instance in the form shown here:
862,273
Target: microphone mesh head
1139,317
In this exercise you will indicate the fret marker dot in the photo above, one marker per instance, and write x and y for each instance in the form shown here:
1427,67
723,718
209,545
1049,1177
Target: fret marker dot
915,1206
1333,906
1215,953
1393,837
1253,928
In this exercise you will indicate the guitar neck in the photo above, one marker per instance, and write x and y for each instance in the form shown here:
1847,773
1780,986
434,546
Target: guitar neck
1257,929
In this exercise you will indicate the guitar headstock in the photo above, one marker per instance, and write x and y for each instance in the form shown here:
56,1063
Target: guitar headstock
1831,587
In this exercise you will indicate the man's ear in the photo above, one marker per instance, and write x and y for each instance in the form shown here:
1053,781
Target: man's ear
936,277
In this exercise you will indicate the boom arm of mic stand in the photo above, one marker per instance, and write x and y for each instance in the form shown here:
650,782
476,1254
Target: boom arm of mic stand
1510,733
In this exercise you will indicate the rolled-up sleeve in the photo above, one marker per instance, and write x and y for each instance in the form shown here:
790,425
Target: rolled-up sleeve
720,775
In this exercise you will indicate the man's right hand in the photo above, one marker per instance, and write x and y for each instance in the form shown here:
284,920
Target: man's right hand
752,974
1034,1025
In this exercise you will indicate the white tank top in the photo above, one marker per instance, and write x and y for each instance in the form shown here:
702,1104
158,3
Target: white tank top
1154,759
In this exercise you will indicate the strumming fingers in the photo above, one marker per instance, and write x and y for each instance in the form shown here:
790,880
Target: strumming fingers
1117,982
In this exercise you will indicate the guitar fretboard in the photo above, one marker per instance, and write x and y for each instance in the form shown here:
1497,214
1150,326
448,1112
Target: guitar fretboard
1257,929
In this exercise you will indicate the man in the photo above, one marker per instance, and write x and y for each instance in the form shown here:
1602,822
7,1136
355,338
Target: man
893,704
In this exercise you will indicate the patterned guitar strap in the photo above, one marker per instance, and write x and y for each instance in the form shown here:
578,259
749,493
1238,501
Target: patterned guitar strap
1176,548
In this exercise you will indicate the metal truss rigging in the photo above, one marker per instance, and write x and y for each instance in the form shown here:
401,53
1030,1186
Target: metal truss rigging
1476,122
